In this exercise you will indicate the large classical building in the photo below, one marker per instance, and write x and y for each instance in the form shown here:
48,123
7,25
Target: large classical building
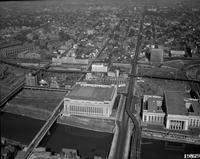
176,110
182,111
90,100
153,109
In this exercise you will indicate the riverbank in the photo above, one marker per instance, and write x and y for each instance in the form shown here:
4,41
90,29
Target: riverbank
169,138
95,124
172,136
39,104
88,143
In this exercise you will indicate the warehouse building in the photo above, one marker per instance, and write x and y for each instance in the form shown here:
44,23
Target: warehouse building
13,51
90,100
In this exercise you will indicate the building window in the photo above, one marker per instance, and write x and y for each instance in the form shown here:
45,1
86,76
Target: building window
84,109
190,122
159,119
145,118
71,108
155,118
149,118
193,124
89,110
80,109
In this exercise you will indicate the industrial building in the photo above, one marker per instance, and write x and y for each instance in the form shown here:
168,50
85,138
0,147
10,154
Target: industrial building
13,51
90,100
176,110
69,60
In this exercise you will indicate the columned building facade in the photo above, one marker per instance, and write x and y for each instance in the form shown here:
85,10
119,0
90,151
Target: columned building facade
152,110
153,118
175,111
194,121
177,122
90,100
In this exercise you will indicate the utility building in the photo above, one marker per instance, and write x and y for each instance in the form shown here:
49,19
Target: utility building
90,100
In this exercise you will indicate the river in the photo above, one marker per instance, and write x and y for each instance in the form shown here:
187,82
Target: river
156,149
88,143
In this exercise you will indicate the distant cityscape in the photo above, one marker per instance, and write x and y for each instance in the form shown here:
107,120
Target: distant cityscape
99,79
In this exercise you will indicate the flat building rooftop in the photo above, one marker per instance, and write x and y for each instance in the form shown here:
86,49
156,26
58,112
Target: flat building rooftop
176,104
153,106
92,92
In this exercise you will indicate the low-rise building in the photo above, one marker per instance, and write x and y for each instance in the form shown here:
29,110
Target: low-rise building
99,67
177,53
90,100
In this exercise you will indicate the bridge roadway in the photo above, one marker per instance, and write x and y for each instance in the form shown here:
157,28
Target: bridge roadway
129,105
165,78
136,137
35,142
45,68
21,86
46,88
11,94
170,136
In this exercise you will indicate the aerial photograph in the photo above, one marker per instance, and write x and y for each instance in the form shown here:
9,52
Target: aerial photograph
100,79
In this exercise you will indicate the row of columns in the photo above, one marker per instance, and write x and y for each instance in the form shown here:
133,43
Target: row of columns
75,109
153,119
194,122
177,125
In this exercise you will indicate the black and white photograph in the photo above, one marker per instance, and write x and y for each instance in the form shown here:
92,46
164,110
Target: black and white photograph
100,79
